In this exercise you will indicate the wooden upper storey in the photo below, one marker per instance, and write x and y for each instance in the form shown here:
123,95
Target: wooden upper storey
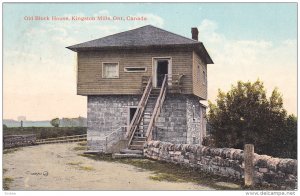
115,70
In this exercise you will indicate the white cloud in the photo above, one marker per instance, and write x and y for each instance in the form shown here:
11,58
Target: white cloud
207,30
274,63
107,29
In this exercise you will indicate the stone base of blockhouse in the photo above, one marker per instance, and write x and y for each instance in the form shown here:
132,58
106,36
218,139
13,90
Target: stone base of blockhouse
181,119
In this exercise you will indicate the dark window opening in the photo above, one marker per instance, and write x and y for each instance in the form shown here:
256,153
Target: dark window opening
135,69
162,70
131,113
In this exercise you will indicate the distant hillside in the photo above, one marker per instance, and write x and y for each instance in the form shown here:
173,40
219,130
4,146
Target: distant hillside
64,122
14,123
73,122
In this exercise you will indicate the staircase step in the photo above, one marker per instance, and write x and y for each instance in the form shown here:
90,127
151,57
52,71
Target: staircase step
136,147
120,156
139,134
139,138
136,143
129,151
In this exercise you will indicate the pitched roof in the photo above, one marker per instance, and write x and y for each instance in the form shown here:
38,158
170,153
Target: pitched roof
141,37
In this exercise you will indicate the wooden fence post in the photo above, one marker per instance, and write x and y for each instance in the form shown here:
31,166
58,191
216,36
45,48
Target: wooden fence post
249,168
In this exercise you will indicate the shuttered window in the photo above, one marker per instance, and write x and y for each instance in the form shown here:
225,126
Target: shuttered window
110,70
204,78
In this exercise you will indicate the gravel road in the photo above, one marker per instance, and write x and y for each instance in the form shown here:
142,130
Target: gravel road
59,167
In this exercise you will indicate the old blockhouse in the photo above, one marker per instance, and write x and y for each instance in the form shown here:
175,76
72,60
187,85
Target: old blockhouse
143,84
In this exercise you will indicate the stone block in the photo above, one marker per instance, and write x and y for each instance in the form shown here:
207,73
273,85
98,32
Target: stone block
261,160
186,161
273,163
156,144
177,147
237,154
288,166
263,170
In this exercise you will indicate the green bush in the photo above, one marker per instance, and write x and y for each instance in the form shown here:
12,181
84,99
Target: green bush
245,114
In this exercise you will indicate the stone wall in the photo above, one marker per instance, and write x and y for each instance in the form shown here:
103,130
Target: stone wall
269,171
275,172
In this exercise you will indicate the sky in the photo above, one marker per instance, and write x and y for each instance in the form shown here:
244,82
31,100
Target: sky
247,41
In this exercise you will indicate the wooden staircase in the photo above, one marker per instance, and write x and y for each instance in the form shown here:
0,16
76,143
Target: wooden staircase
139,137
143,122
151,104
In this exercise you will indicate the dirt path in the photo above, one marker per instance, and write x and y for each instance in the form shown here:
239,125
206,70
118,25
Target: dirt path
58,167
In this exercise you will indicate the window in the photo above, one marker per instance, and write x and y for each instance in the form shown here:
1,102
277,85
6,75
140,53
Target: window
110,70
135,69
198,73
204,78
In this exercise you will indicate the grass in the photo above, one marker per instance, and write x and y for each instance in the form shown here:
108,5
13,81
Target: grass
86,168
6,182
74,163
174,173
79,148
81,167
82,143
165,177
11,150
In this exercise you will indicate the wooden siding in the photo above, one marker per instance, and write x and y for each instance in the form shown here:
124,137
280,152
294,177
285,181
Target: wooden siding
199,85
90,81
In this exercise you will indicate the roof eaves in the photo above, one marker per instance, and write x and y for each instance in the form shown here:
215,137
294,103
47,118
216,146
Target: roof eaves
77,49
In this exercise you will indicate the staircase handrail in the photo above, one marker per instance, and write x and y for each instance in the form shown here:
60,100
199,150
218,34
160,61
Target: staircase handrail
157,108
139,112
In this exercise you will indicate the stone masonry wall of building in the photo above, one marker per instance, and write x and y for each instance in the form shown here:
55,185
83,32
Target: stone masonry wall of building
195,120
106,114
171,125
181,120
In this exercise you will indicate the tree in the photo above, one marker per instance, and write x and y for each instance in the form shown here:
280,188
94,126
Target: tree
290,137
4,126
245,115
55,122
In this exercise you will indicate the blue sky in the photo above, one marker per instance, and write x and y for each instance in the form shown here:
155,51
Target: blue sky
246,41
271,21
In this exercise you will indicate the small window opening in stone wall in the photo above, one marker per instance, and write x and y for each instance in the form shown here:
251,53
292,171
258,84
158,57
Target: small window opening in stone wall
193,112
